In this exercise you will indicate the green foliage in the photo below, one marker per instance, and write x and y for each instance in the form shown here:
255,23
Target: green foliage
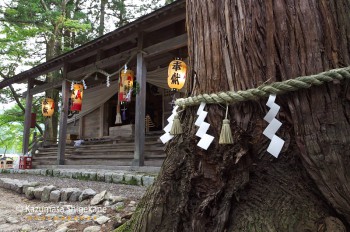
11,124
149,6
45,24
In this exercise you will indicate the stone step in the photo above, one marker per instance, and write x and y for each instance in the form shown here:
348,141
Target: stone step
103,156
105,162
116,145
100,151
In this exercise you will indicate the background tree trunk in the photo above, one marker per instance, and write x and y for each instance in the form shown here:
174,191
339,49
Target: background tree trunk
51,124
53,49
239,45
101,27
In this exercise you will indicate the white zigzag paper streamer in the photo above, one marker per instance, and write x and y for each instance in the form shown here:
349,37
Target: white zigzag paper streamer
167,136
276,143
108,82
206,139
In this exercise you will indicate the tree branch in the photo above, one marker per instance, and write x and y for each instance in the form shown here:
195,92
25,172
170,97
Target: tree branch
44,5
21,21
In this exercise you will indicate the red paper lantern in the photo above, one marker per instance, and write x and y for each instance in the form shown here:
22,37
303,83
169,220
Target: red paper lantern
77,97
126,83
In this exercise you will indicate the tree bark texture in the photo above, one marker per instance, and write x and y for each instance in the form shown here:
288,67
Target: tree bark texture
237,45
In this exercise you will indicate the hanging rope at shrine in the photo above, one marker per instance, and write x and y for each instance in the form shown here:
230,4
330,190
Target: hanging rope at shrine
97,70
265,90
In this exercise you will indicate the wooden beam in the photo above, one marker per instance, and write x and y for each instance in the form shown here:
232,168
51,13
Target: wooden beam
123,38
81,127
33,72
38,82
166,21
105,47
27,117
166,46
156,49
140,109
63,120
102,117
44,87
106,125
105,63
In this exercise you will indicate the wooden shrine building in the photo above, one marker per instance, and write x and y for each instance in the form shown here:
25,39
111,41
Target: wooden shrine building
148,45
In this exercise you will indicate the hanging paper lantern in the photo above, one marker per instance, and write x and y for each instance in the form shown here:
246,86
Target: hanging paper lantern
77,97
126,83
47,107
177,74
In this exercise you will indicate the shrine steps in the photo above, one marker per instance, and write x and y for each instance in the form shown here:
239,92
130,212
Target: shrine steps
107,151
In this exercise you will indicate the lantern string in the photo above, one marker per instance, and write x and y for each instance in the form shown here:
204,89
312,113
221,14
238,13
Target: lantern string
126,63
106,73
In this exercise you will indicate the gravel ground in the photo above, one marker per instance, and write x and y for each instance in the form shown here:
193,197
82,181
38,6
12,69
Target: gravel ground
13,216
130,191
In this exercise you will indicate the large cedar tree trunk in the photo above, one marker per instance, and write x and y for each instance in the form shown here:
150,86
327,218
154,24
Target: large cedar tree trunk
237,45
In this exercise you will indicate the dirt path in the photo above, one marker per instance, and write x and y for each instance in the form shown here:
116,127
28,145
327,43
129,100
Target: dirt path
13,216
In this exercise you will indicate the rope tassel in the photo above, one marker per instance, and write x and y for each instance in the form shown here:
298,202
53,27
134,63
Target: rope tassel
226,134
118,119
176,128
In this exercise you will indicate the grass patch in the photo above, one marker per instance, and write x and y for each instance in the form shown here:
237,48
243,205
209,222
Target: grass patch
132,181
82,177
5,171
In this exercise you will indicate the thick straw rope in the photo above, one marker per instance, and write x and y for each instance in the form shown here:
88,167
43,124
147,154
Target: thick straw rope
265,90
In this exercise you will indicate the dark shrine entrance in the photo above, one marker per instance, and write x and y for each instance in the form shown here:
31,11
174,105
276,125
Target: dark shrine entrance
154,111
154,107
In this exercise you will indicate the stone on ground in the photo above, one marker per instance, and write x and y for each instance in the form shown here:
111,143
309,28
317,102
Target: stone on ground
55,196
115,199
86,194
29,192
67,192
102,220
38,192
75,196
12,220
98,198
92,229
26,228
62,229
45,196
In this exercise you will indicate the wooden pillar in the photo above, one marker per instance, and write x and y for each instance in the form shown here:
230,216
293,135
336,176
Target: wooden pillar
81,127
140,110
63,120
102,117
27,117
